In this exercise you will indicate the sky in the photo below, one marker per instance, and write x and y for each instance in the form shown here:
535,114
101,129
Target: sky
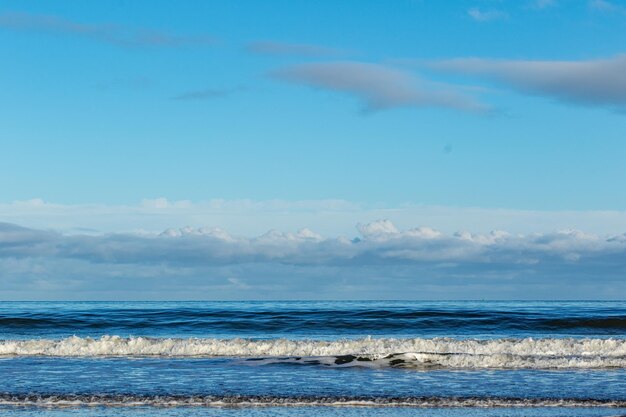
282,149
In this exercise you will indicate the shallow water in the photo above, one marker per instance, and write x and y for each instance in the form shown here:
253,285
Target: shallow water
319,411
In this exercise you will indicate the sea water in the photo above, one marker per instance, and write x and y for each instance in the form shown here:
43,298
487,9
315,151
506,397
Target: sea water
342,358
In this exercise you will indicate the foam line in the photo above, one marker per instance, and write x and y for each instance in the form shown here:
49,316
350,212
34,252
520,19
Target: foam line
526,353
99,400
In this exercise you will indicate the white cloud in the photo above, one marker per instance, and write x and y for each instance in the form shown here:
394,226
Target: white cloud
379,228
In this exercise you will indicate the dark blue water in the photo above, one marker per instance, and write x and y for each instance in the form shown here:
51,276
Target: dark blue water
313,319
175,358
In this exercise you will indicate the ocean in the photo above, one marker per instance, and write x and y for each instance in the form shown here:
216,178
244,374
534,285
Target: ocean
313,358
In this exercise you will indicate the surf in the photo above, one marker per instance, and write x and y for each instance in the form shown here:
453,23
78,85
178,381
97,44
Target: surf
118,400
508,353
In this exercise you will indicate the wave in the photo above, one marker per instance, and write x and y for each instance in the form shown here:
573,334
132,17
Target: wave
528,353
79,400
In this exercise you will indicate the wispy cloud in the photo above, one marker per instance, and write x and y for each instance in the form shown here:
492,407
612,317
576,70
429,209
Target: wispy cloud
207,94
544,4
486,15
406,263
599,82
377,86
296,49
607,6
135,83
109,33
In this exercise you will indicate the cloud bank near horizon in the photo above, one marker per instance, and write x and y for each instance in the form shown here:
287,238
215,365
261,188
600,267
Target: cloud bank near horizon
382,262
328,217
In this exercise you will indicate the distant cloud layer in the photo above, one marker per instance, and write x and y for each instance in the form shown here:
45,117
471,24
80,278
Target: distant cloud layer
599,82
109,33
328,217
383,262
377,86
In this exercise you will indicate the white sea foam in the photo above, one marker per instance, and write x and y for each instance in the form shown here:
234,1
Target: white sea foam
528,353
55,401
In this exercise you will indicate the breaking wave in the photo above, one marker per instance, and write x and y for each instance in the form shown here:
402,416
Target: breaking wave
82,400
528,353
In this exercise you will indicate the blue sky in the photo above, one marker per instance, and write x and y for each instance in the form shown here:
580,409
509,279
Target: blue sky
134,117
